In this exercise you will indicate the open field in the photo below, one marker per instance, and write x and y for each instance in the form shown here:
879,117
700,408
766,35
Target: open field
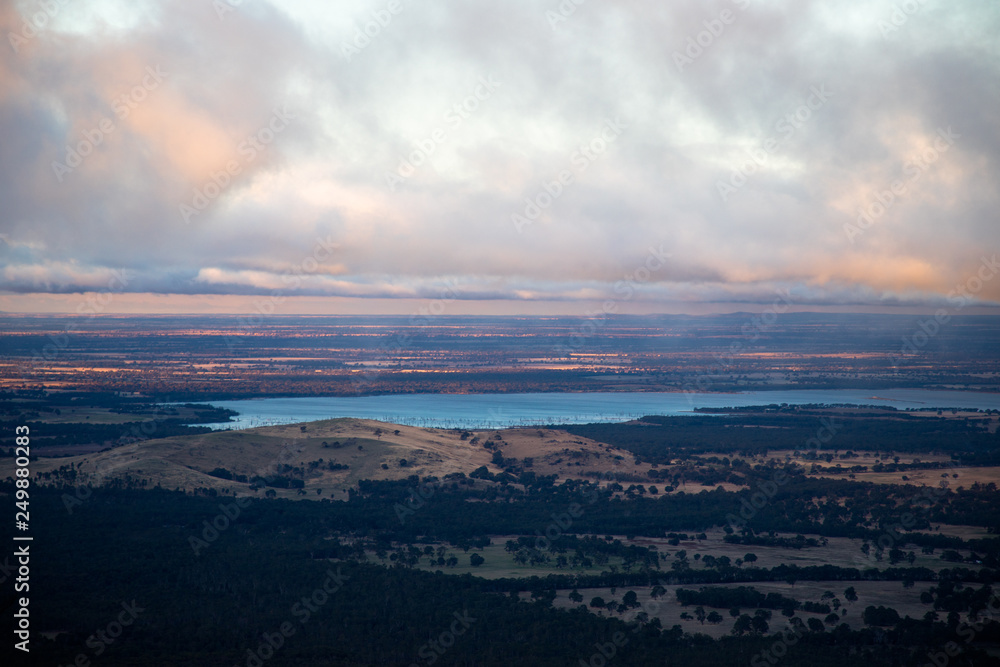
892,594
839,551
499,564
101,415
956,478
216,355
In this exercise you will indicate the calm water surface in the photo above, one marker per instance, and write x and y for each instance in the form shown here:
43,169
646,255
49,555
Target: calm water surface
505,410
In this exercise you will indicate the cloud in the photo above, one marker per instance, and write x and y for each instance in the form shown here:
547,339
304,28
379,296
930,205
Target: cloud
277,129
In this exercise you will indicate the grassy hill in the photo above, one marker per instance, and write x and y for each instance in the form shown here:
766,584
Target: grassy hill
329,457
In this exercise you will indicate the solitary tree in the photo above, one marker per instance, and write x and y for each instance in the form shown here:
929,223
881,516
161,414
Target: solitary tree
744,624
759,621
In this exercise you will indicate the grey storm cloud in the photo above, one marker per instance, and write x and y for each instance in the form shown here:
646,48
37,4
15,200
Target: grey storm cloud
531,150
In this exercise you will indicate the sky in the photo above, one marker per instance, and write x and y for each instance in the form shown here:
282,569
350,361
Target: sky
530,156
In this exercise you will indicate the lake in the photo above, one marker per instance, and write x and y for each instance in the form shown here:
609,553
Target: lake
478,411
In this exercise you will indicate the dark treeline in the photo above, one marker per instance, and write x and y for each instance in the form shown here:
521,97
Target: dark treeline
41,412
742,597
826,507
779,573
456,510
453,510
133,547
27,402
57,435
658,439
